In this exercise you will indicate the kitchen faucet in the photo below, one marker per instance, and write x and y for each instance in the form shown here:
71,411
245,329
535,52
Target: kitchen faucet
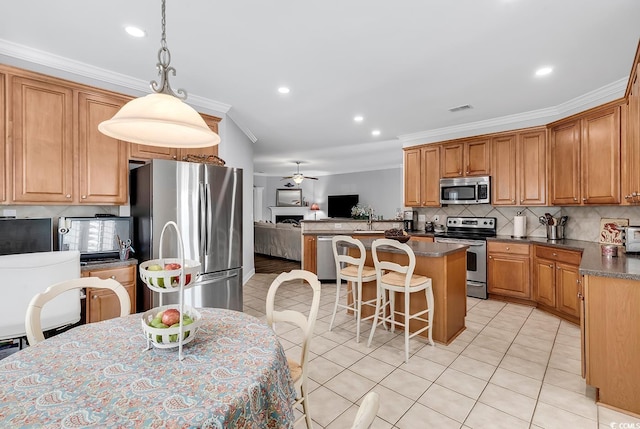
369,221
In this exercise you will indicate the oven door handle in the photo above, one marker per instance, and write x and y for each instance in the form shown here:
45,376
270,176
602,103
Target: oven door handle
460,241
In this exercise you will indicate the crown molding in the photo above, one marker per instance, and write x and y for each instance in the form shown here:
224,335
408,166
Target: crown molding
247,132
57,62
599,96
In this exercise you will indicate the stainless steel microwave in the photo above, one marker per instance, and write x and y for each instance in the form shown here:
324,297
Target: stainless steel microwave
465,190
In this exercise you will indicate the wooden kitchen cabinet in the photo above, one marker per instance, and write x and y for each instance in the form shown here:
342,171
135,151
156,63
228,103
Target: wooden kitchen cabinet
3,137
102,304
585,158
102,161
422,176
467,158
611,339
631,140
509,269
146,152
42,143
310,252
556,281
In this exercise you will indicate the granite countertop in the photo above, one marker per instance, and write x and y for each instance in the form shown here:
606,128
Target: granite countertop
624,266
106,264
420,248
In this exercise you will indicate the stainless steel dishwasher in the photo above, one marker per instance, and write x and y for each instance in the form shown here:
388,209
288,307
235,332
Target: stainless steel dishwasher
325,262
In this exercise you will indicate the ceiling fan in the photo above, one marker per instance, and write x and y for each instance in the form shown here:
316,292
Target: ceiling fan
299,177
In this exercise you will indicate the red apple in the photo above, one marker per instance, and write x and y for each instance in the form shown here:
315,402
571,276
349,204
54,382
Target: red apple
171,316
172,266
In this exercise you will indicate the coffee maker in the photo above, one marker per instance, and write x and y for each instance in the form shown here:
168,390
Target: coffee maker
410,220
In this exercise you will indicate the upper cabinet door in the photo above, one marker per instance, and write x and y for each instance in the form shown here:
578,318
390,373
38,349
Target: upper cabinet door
103,166
430,186
531,165
412,178
503,168
601,157
143,151
452,162
477,157
42,115
3,139
565,163
212,122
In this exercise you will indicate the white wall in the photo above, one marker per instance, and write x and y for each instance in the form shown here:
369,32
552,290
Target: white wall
381,189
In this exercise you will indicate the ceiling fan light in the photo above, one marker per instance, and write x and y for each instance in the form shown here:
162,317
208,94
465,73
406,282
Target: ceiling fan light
160,120
297,178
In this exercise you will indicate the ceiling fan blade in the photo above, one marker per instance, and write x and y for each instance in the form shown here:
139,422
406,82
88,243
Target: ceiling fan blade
287,177
309,177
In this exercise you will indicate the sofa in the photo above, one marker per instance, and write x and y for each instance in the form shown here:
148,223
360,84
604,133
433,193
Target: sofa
283,240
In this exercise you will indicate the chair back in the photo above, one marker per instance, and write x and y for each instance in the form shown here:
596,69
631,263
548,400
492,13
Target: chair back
32,320
347,259
23,276
306,323
367,411
381,265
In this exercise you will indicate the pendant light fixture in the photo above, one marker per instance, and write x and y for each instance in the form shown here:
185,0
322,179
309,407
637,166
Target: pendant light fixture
162,118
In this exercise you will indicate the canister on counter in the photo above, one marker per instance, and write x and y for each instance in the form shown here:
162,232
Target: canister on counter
609,250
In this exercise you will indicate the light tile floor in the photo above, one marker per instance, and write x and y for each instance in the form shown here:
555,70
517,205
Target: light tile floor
513,367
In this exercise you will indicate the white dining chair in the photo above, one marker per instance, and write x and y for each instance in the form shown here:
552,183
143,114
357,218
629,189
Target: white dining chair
306,324
367,411
351,269
32,319
393,277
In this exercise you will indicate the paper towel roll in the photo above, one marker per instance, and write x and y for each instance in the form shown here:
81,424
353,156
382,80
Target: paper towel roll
520,226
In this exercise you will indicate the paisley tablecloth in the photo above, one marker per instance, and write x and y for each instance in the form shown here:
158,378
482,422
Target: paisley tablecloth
234,375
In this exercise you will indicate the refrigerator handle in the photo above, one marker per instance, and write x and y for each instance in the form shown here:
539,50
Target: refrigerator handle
209,219
203,223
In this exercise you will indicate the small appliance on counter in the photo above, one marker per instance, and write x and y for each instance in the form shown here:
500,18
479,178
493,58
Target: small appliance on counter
410,220
632,239
95,238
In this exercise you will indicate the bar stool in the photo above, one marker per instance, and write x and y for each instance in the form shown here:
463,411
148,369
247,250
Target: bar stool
392,278
356,272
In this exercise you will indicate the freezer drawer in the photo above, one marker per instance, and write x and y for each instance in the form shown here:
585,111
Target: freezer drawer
216,290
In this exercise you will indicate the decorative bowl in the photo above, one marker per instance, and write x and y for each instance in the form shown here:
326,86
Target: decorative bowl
169,280
168,337
400,238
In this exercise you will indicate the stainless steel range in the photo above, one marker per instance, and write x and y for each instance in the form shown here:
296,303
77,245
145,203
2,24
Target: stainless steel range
473,232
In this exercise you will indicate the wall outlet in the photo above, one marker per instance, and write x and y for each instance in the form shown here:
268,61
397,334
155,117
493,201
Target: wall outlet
337,225
395,225
436,218
422,218
9,213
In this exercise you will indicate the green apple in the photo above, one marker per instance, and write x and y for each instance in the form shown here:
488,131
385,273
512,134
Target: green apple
154,267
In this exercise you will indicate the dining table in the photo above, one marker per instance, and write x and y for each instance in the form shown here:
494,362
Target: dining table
102,375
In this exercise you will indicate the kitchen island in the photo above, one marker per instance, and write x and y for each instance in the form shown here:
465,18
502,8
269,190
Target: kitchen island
446,265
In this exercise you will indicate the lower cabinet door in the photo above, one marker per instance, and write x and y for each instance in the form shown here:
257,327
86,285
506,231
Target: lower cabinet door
567,277
509,276
104,304
544,282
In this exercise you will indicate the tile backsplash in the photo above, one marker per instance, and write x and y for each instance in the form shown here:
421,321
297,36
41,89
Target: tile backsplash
583,222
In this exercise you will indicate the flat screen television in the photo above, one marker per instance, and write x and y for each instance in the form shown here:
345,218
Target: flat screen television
340,205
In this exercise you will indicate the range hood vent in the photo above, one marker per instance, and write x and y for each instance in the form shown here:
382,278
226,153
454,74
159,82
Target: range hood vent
459,108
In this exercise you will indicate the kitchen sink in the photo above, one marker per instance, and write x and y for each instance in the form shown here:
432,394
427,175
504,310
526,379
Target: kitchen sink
366,231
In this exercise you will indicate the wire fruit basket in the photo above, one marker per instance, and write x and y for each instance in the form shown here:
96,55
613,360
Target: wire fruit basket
170,280
168,337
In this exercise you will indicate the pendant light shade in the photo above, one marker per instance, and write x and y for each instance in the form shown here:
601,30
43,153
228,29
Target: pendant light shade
160,120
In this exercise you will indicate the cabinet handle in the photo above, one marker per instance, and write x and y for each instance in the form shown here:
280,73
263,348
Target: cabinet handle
507,247
580,296
94,297
521,201
558,268
554,254
113,277
575,199
550,265
84,197
513,201
490,257
584,199
68,196
459,172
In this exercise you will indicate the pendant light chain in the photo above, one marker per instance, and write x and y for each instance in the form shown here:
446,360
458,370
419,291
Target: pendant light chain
164,59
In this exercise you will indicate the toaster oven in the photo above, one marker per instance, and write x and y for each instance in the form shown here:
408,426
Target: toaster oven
632,239
94,237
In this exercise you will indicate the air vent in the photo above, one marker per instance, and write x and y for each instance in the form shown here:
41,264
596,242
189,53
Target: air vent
459,108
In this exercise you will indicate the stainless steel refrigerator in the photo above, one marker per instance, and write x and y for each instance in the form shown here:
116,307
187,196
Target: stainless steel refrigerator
205,201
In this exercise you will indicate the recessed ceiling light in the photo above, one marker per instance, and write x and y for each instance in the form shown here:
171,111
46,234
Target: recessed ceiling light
375,132
543,71
283,90
358,118
135,31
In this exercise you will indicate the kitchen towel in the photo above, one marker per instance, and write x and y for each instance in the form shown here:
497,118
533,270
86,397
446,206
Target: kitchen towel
520,226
